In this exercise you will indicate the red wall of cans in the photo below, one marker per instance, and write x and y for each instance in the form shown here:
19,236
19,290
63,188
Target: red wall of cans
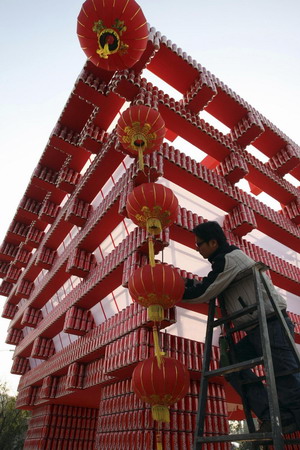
125,422
61,426
65,389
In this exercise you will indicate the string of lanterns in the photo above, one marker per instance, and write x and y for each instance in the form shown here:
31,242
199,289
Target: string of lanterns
114,35
159,380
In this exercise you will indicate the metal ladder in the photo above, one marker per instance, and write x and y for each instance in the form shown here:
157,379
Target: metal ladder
275,437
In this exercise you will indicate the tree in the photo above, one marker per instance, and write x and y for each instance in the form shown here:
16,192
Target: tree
13,422
240,427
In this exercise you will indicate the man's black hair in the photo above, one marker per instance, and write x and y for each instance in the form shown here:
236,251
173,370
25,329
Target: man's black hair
210,230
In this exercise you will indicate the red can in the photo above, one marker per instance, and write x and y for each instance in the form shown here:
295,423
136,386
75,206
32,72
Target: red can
182,441
174,441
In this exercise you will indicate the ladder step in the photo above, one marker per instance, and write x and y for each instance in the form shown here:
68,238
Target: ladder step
281,374
235,367
252,323
254,437
236,315
292,441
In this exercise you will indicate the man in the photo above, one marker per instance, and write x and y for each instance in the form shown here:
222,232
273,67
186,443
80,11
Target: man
227,261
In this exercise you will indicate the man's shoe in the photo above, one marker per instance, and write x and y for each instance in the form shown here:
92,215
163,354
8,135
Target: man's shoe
265,427
287,427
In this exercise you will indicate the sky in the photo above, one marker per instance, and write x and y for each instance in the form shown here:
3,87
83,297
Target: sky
253,47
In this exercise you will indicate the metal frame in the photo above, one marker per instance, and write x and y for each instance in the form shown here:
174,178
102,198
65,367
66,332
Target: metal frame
275,437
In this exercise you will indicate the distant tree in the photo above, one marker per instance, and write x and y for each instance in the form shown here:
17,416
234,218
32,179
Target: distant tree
13,422
240,427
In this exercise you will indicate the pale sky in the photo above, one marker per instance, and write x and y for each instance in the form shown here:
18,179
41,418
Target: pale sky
253,47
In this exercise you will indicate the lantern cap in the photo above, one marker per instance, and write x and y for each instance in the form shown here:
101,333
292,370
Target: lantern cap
160,413
156,313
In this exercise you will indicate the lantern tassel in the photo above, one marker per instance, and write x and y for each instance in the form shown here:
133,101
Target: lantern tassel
157,351
104,52
159,445
160,413
154,225
156,313
151,251
141,159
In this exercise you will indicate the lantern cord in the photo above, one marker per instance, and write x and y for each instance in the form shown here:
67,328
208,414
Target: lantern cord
159,445
157,351
141,159
151,251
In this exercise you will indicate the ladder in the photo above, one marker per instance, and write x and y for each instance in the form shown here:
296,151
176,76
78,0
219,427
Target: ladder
275,437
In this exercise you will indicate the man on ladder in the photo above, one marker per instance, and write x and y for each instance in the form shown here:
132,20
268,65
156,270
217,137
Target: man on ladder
227,262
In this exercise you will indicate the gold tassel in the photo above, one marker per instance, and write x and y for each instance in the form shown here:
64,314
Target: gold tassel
154,225
141,159
157,351
156,313
151,251
104,52
160,413
159,445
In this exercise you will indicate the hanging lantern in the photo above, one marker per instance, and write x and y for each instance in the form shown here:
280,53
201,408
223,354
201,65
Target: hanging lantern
154,207
140,130
160,386
113,34
156,288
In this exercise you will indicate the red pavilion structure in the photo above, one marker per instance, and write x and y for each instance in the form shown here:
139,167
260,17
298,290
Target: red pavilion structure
71,249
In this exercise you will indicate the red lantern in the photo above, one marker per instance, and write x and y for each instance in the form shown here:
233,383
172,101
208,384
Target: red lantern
140,130
154,207
160,386
113,34
157,288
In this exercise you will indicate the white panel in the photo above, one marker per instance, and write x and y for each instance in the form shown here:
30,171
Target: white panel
119,234
122,298
98,314
191,325
109,306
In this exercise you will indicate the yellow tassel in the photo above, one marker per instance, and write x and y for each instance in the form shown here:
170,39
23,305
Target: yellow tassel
157,351
159,445
160,413
151,251
104,52
141,159
154,225
156,313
